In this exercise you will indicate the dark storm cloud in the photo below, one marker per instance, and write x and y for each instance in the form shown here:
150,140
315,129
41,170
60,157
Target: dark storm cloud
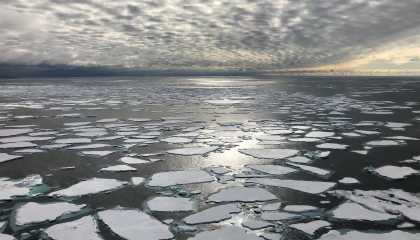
165,34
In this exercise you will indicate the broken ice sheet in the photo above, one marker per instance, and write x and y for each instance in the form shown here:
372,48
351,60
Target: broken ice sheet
192,151
319,134
165,179
14,131
332,146
394,172
72,140
118,168
177,140
32,212
300,208
132,224
18,145
271,169
256,224
313,187
4,157
242,194
372,235
278,216
348,180
229,232
97,153
269,153
171,204
132,160
213,214
83,228
350,211
28,186
137,180
311,227
313,170
6,237
383,143
90,186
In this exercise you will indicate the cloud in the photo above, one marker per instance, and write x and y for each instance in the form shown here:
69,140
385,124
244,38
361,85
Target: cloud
181,34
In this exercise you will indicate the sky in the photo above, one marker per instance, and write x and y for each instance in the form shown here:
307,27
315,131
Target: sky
255,35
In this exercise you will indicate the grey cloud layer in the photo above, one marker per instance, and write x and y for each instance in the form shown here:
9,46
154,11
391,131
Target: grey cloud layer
254,34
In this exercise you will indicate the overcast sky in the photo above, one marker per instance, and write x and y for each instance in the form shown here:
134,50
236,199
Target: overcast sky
212,34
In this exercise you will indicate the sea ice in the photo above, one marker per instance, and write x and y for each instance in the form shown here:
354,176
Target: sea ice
192,151
18,145
118,168
170,204
165,179
4,157
90,186
14,131
314,170
97,153
32,212
300,208
332,146
242,194
311,227
83,228
272,169
395,172
132,160
348,180
355,212
72,140
177,140
313,187
229,232
213,214
132,224
319,134
270,153
374,235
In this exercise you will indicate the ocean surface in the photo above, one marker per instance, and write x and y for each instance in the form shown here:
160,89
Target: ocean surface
136,158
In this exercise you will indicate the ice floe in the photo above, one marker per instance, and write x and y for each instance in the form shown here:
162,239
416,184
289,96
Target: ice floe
118,168
32,212
213,214
132,224
192,151
270,153
373,235
272,169
90,186
242,194
394,172
170,204
310,227
4,157
165,179
350,211
132,160
83,228
313,187
229,232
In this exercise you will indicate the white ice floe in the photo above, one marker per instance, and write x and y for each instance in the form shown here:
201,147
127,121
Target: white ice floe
18,145
332,146
299,159
4,157
242,194
256,224
311,227
278,216
90,186
177,140
132,160
118,168
272,169
6,237
313,187
279,132
24,139
304,139
397,125
271,138
395,172
170,204
383,143
22,187
351,211
229,232
348,180
393,200
132,224
14,131
269,153
271,236
97,153
72,140
137,180
90,146
314,170
32,212
271,206
319,134
192,151
374,235
223,101
213,214
300,208
405,138
165,179
83,228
